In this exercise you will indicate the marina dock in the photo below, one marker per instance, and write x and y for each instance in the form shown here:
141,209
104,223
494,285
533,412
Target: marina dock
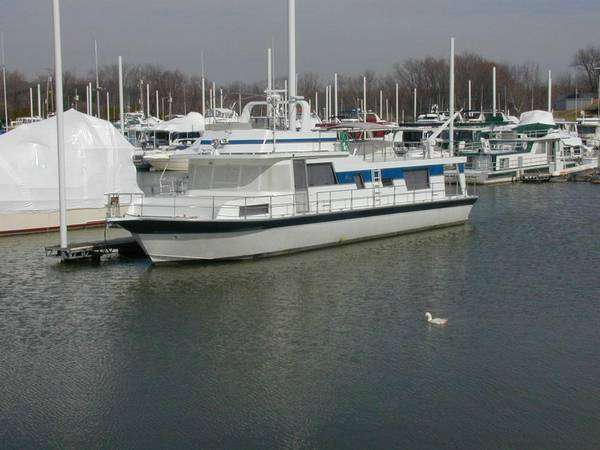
95,250
537,177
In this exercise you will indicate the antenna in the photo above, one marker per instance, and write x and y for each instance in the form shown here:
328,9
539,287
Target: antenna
415,105
39,100
292,63
121,111
470,97
147,100
335,88
549,91
494,91
364,99
203,85
451,128
397,103
97,79
4,80
60,138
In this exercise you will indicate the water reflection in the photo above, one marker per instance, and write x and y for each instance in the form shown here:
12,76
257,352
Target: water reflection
320,349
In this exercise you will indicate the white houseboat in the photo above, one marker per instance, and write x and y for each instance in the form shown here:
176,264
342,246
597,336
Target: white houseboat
239,206
537,145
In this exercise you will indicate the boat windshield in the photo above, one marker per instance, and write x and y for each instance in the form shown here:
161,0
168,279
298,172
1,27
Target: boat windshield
240,177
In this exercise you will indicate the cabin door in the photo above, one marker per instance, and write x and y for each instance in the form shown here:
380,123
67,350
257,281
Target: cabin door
300,186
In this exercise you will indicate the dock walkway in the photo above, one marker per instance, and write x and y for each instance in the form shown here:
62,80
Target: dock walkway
95,250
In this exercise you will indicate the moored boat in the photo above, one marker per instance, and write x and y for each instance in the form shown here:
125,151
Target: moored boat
251,205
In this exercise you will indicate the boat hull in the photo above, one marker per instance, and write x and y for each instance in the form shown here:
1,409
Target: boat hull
180,240
586,165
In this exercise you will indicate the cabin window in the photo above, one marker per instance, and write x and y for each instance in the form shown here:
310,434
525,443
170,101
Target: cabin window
254,210
226,177
412,136
387,182
250,177
201,176
321,174
587,129
300,182
416,179
358,180
540,149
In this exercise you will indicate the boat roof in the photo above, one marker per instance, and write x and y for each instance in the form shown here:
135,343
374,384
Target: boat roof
271,156
362,126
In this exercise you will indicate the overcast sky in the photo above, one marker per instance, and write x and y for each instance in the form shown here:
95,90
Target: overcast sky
344,36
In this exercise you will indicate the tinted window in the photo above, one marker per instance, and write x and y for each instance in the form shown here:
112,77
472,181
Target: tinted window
587,130
254,210
412,136
300,174
416,179
358,179
321,175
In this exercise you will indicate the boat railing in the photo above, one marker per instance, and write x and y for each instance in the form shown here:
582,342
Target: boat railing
505,146
508,162
273,206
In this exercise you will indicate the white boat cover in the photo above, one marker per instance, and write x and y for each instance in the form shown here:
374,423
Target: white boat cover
536,117
98,161
191,122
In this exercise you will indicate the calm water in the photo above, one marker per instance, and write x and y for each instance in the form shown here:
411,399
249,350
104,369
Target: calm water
326,349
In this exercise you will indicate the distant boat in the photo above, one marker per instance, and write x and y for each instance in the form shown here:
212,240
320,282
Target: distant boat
536,145
23,121
589,130
252,134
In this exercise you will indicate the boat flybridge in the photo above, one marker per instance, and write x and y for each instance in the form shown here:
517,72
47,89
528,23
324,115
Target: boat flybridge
272,201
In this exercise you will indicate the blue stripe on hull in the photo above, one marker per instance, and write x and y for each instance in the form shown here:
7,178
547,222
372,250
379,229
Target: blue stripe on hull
394,173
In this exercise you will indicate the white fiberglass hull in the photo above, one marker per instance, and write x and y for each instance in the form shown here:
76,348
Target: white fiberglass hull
267,240
584,166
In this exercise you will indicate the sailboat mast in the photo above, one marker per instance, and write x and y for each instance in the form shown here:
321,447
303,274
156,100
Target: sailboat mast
292,63
58,78
97,80
4,80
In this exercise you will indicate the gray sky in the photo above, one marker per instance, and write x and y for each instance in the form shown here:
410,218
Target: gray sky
344,36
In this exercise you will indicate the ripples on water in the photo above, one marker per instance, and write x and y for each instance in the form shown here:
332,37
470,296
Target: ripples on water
322,349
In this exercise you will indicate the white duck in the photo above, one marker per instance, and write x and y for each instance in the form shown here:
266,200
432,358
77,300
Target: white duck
436,321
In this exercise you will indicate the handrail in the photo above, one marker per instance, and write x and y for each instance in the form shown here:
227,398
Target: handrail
538,160
229,207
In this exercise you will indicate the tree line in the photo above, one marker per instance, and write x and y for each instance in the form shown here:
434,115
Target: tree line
520,87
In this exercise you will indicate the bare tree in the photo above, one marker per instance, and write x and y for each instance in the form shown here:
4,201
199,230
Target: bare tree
586,60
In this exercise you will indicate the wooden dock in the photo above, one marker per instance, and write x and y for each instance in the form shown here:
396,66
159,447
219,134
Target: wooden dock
535,177
95,250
